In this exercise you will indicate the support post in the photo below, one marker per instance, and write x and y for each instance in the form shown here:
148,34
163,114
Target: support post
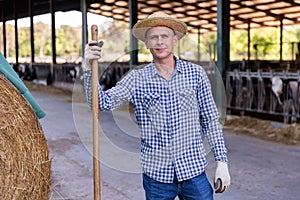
281,32
133,10
30,7
4,34
198,46
84,26
53,34
223,24
249,44
16,32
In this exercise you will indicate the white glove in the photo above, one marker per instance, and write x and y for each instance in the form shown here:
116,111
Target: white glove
92,51
222,177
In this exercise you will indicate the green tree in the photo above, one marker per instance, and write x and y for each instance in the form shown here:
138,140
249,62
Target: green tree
24,41
238,45
10,41
42,40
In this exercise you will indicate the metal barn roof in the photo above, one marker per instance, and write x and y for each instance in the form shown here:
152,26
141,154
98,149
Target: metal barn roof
196,13
203,14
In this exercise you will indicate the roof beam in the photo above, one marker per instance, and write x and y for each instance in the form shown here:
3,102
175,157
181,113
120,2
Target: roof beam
268,13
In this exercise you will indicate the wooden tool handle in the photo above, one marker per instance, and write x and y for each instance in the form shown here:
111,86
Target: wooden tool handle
94,32
95,108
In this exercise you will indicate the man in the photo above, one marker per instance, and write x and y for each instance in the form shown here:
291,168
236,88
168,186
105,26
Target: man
174,107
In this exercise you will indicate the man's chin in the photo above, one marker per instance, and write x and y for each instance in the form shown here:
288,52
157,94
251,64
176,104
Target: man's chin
162,56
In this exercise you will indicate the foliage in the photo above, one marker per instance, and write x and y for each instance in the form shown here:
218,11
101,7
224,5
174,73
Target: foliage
264,43
24,41
42,39
68,41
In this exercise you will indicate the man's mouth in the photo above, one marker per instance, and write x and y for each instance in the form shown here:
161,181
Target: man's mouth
160,50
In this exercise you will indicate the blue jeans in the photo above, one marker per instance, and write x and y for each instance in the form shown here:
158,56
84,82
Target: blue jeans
197,188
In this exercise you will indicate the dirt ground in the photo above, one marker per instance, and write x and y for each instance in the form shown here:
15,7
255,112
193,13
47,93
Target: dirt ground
49,89
265,129
261,164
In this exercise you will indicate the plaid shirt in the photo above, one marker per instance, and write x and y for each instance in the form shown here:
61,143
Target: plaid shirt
171,115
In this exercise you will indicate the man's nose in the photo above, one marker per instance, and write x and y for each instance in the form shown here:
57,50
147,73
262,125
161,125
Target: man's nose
160,40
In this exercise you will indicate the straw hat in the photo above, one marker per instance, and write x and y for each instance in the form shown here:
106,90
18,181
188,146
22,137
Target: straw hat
159,19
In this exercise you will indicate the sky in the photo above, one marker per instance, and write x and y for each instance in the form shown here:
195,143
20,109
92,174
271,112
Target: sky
72,18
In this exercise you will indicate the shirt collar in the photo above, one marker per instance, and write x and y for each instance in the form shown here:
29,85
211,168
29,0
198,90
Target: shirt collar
178,67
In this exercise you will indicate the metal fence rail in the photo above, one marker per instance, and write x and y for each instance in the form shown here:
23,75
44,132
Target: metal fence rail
252,92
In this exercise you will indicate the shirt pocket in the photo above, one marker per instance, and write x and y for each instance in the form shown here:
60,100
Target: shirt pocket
151,103
187,99
155,111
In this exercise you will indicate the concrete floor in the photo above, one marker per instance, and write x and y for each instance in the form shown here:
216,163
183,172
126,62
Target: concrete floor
259,169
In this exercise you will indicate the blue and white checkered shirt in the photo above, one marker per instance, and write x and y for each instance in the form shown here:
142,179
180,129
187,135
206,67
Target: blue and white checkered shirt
172,116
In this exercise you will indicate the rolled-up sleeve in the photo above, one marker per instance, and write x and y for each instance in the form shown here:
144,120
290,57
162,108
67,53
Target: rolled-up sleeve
109,99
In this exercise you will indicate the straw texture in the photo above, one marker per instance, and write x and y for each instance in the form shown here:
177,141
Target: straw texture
159,19
24,161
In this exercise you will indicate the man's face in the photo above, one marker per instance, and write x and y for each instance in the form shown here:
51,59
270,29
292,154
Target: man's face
161,42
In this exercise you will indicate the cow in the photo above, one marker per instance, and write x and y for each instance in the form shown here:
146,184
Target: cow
287,96
277,85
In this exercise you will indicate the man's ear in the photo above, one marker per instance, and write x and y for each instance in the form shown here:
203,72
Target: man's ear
175,40
146,43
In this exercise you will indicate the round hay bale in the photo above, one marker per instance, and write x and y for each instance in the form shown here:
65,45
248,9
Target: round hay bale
24,162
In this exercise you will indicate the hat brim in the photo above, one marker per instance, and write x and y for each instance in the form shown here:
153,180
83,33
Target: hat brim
139,29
